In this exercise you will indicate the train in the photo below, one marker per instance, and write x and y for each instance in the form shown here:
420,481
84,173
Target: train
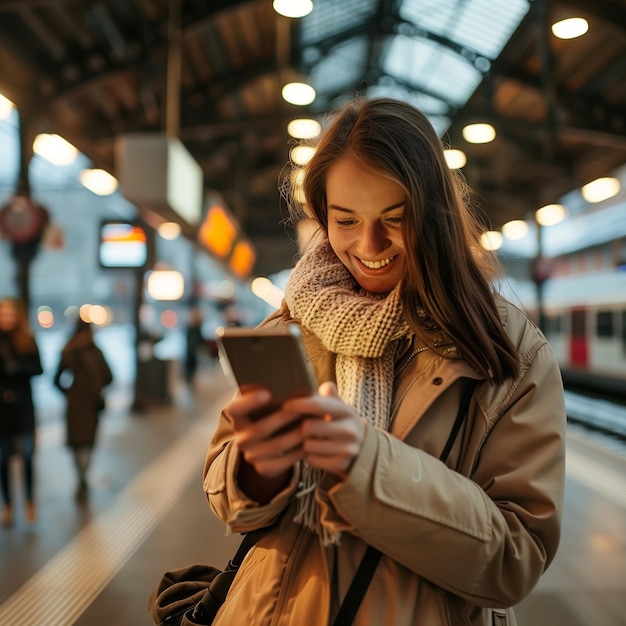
581,307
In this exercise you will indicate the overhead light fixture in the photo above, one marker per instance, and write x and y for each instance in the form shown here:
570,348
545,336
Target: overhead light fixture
479,133
55,149
304,128
169,230
265,289
551,214
98,181
299,94
515,229
600,189
455,159
165,284
6,108
293,8
301,155
570,28
491,240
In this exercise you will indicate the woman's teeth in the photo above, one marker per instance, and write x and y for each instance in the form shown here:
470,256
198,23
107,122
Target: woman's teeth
376,265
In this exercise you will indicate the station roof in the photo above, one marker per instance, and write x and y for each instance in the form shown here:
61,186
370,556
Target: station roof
92,70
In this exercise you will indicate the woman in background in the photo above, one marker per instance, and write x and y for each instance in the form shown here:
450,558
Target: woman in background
19,362
81,375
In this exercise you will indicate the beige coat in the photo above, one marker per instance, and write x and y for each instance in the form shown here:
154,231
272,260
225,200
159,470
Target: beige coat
461,541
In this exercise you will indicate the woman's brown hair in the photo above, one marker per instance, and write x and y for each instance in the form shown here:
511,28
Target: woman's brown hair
448,272
21,335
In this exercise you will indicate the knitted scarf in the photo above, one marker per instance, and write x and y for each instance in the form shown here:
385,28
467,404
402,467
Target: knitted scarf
362,329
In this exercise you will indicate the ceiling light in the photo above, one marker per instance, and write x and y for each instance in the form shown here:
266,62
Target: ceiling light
304,128
293,8
301,155
265,289
550,214
515,229
455,159
6,107
491,240
479,133
55,149
169,230
600,189
300,94
570,28
98,181
165,284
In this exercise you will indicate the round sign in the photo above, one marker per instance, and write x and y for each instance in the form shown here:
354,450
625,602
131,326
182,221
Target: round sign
22,220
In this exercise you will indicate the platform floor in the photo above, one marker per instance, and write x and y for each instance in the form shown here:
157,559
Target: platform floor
95,565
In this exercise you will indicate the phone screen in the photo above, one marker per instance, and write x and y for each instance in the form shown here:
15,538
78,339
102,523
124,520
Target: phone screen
272,358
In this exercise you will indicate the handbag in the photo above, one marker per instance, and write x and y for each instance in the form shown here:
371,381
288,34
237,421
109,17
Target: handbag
193,595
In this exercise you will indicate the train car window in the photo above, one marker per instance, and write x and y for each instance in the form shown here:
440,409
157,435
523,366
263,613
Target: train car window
578,323
604,324
552,324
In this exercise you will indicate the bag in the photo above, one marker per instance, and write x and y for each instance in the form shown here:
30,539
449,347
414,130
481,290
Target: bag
193,594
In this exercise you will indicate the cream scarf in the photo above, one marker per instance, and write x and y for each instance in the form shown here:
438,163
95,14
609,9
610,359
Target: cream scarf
362,329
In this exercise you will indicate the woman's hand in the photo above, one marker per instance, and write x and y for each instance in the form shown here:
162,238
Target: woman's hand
332,432
271,444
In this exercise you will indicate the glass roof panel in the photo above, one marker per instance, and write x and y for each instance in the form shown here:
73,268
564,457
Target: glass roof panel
428,65
424,53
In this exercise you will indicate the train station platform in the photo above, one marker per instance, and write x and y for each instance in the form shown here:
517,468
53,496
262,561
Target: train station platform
95,564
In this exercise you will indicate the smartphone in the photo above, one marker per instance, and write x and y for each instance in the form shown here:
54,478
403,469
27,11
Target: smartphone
273,358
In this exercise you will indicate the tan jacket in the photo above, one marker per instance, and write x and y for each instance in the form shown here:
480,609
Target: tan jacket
461,541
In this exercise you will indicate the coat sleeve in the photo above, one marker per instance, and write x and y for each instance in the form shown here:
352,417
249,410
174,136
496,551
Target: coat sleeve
486,537
228,501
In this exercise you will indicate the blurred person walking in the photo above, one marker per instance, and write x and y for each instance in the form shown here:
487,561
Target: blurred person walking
19,362
81,375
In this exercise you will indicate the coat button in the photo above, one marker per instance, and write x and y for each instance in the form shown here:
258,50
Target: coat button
437,381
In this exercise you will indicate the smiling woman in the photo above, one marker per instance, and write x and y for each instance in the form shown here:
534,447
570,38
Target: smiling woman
411,447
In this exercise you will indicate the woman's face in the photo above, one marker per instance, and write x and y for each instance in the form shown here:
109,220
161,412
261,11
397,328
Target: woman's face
8,316
365,213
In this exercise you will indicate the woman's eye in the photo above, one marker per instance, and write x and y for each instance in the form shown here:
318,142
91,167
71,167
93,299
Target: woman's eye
395,220
345,222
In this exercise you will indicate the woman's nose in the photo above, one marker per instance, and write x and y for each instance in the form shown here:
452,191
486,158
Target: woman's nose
374,240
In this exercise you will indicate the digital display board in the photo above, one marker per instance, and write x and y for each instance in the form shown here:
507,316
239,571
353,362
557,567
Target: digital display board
122,245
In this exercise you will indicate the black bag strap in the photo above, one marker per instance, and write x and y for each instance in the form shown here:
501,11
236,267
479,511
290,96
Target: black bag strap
369,562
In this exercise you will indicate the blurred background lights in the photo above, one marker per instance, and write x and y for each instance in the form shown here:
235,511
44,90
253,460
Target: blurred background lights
169,230
165,285
299,94
479,133
98,181
169,318
304,128
570,28
515,229
600,189
6,107
550,214
265,289
455,159
55,149
293,8
301,155
98,314
491,240
45,317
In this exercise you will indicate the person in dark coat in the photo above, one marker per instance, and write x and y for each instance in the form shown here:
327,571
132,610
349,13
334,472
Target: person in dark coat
19,362
81,375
